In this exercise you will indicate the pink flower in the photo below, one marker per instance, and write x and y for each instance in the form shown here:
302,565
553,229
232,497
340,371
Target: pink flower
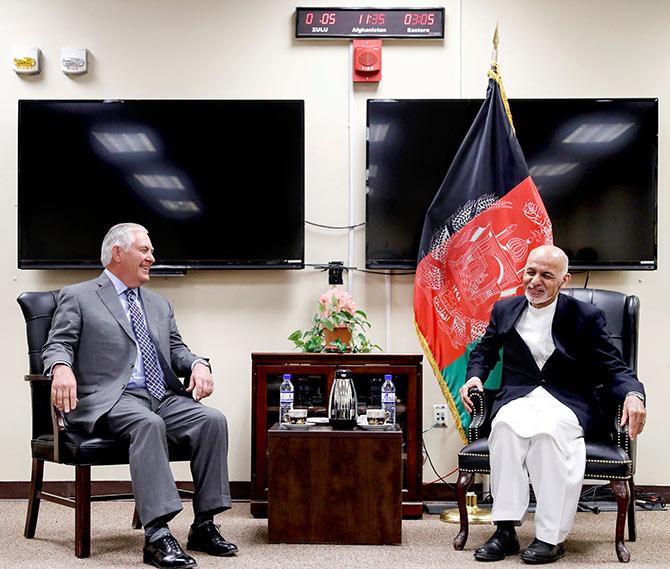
338,297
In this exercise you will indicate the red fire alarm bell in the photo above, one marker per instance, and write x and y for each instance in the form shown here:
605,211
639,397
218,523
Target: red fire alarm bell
367,61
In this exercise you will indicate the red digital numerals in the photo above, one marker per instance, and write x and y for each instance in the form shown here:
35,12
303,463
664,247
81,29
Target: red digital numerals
371,19
326,19
425,19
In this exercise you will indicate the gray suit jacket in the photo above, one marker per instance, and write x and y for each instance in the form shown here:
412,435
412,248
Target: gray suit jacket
91,332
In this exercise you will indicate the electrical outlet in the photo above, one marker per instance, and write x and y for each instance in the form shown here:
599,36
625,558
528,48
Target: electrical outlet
440,415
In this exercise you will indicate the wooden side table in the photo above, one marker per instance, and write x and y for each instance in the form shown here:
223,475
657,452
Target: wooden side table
313,376
329,486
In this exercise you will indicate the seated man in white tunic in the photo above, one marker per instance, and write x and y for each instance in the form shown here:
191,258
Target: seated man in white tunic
555,351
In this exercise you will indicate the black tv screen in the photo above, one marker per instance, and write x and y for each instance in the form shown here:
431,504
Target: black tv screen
218,183
594,162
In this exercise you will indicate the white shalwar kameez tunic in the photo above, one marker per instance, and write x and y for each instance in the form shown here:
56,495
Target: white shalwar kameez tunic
537,435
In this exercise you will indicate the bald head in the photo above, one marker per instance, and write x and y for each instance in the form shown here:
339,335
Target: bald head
545,273
551,254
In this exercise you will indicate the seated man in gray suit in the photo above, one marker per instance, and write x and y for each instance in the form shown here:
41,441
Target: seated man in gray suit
114,353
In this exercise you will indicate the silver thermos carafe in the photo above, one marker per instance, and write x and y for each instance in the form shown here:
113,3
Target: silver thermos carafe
343,403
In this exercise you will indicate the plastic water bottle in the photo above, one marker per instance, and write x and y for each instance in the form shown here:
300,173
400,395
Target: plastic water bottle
285,398
388,397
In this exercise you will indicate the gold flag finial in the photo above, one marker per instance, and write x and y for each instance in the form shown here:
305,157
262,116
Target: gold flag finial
494,73
496,42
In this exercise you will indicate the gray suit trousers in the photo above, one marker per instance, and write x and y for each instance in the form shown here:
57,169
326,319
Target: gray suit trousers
149,425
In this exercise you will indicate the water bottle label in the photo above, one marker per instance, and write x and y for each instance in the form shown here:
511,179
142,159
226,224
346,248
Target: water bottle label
286,397
388,397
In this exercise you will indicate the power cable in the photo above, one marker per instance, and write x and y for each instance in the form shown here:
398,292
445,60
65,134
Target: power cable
326,266
430,461
334,226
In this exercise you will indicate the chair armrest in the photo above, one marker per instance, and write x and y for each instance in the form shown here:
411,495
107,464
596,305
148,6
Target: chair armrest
621,435
478,426
36,377
57,417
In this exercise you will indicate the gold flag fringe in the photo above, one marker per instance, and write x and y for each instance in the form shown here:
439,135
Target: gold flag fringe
494,73
443,385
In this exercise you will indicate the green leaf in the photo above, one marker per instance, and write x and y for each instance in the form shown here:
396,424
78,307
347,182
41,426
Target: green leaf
295,336
339,344
328,324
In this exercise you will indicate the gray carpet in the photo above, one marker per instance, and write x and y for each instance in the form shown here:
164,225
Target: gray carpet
426,543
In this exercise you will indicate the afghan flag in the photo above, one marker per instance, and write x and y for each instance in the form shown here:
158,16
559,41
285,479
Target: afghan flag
484,220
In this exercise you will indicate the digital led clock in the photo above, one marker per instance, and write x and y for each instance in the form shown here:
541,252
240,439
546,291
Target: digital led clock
411,23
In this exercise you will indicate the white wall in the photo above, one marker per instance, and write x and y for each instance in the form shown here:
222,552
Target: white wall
201,49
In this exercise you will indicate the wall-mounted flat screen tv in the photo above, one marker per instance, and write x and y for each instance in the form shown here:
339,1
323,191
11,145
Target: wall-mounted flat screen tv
594,162
218,183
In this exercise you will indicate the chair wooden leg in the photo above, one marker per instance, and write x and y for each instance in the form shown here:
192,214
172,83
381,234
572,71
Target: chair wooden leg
82,520
137,524
464,481
34,501
621,493
632,529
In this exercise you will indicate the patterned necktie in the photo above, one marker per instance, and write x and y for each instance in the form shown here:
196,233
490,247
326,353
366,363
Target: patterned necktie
152,372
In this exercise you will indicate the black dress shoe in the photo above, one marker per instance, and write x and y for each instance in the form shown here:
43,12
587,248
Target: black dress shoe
206,537
539,552
502,543
166,553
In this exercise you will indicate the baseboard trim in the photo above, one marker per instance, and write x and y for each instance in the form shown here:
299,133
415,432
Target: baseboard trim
241,489
17,490
447,492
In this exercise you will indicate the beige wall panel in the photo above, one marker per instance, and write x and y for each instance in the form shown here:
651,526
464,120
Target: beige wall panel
177,49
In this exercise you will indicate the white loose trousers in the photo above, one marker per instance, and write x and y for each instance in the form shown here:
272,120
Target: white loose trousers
537,436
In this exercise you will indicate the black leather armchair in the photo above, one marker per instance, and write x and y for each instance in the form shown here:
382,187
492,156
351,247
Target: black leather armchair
612,459
52,442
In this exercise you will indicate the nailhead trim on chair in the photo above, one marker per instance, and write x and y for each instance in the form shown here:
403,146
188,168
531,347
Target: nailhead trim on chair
626,440
605,476
479,413
608,461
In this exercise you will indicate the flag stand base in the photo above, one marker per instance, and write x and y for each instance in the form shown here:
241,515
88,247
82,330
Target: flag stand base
476,516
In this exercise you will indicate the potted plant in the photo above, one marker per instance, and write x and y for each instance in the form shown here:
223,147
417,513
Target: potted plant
338,326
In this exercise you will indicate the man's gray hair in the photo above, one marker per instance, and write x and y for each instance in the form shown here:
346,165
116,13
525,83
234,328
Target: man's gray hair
121,235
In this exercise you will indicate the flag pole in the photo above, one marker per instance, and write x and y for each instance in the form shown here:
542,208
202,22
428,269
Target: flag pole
494,73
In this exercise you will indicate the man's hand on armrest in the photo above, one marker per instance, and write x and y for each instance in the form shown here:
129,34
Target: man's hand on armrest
202,382
63,388
469,384
634,414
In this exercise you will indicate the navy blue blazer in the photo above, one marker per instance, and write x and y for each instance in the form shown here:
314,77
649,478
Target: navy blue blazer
583,359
